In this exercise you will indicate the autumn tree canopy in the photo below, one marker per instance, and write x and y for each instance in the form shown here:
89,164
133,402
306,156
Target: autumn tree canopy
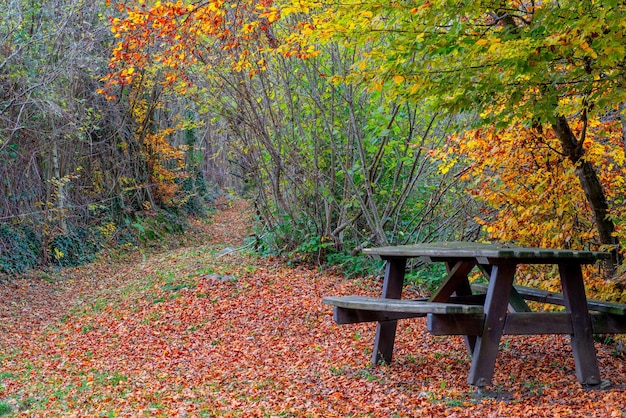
552,70
547,64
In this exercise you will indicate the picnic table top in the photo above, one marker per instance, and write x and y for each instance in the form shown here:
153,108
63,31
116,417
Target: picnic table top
490,252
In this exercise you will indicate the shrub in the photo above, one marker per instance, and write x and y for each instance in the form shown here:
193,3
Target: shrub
19,249
74,248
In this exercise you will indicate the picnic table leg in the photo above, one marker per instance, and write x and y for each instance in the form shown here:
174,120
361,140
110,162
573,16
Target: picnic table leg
584,352
470,340
386,331
464,289
457,283
496,302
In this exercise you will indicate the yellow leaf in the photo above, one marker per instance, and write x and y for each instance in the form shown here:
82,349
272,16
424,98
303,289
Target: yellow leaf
398,79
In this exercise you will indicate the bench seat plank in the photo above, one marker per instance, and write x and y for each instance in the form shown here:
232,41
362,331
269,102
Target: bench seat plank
555,298
523,323
354,316
399,305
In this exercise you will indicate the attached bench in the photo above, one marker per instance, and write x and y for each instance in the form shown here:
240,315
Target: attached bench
354,309
463,319
611,318
554,298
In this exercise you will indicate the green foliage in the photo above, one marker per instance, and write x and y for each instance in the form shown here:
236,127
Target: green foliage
68,154
353,265
19,249
22,248
74,248
169,222
194,193
146,232
313,245
426,277
5,408
151,227
553,66
503,60
332,176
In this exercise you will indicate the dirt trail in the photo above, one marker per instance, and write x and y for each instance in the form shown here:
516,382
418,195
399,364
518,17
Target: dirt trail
32,302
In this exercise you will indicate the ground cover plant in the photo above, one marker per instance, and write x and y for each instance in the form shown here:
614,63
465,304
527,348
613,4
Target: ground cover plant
203,330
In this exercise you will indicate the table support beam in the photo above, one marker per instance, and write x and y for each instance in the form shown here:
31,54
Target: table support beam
457,279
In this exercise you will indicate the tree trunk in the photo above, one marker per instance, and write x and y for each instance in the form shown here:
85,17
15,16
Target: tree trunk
59,185
594,192
622,118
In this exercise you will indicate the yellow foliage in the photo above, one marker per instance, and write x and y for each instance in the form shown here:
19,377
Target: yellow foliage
107,229
165,164
532,195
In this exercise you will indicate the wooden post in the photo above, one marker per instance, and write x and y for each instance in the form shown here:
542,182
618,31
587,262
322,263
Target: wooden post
496,303
584,352
386,331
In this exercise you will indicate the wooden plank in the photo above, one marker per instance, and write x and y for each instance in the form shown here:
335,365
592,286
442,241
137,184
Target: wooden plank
532,323
524,323
488,253
456,277
354,316
456,324
539,295
517,303
396,305
469,299
603,323
555,298
464,289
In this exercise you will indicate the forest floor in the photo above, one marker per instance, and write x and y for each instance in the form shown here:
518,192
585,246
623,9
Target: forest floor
201,330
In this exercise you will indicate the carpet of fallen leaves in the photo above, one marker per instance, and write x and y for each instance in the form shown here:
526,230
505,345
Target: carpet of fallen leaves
202,330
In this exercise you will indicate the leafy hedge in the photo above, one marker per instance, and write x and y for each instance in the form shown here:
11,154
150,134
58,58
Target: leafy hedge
74,248
20,249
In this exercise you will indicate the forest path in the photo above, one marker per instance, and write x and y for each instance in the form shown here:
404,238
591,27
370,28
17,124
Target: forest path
33,302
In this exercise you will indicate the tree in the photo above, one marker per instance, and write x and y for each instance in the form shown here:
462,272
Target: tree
169,38
73,166
332,165
548,65
336,166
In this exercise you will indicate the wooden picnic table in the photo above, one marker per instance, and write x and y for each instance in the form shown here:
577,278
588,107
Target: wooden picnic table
485,314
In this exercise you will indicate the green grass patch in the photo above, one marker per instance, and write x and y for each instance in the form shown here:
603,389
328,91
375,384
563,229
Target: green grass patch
5,408
172,287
